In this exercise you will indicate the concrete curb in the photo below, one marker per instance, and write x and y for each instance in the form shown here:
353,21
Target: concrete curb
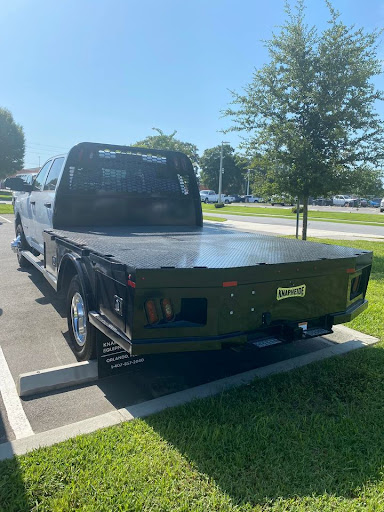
50,437
54,378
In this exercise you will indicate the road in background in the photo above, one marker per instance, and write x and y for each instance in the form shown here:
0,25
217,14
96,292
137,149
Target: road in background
335,209
286,227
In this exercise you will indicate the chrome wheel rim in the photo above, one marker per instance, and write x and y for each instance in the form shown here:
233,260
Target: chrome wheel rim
19,244
79,320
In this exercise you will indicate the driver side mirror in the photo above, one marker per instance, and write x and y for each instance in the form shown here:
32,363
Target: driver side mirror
17,185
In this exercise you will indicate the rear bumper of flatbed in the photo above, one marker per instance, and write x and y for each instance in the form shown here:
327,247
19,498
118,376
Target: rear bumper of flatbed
191,344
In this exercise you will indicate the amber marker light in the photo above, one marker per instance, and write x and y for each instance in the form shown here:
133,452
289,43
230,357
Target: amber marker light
166,306
355,284
150,309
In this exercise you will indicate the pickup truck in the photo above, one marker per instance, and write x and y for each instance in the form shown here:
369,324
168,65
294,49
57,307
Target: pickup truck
118,232
210,196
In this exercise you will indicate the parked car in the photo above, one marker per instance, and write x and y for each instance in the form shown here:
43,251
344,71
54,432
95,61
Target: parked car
382,205
322,201
208,196
238,199
341,200
354,202
283,200
363,202
252,199
227,199
375,202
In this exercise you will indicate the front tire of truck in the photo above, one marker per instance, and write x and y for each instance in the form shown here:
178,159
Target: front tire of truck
23,263
82,333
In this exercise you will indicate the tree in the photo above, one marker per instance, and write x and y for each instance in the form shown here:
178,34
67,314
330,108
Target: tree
311,109
369,184
235,169
12,144
169,142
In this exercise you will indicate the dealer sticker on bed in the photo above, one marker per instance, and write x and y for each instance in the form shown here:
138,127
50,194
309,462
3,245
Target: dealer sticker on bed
287,293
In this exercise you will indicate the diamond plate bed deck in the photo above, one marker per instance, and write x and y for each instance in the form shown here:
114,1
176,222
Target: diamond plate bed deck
207,247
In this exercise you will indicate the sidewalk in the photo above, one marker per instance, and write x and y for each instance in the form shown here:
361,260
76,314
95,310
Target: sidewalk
278,229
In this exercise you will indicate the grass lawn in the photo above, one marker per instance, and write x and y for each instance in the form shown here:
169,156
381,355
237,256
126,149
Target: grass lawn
345,217
310,440
216,219
5,196
6,208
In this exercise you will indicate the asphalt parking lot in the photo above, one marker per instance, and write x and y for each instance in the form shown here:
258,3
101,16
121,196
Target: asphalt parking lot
33,336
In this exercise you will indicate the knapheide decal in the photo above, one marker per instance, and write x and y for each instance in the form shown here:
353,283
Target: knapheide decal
288,293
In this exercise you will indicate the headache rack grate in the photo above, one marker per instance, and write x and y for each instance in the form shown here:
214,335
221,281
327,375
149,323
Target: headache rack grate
128,172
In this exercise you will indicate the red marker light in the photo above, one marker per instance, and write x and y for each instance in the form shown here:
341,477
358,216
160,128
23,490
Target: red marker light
150,309
227,284
351,270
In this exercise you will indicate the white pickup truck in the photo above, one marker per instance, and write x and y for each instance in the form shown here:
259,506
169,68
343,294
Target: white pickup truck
210,196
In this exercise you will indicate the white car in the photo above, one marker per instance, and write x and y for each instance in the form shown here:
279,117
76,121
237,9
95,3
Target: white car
208,196
341,200
382,205
252,199
227,199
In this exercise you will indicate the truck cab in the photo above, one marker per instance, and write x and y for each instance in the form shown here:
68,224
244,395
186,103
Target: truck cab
36,207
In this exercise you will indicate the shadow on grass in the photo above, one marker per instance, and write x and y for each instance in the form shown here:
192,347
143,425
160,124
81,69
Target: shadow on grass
12,491
315,431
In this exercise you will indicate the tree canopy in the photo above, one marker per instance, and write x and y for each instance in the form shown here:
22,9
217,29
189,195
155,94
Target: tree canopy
235,168
169,142
12,144
311,110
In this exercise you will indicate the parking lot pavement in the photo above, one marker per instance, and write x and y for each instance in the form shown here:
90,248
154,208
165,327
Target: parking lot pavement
33,336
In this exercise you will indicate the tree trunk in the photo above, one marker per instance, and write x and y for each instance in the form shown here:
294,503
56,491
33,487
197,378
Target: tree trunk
305,217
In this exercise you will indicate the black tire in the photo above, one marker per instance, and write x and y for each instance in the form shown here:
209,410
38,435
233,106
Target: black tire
23,263
206,201
226,201
81,332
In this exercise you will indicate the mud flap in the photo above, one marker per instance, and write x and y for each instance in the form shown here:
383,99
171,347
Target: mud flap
114,360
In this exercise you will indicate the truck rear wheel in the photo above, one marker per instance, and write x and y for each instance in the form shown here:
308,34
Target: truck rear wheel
23,246
82,333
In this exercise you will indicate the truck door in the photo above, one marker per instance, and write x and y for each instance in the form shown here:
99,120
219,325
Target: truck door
44,201
28,205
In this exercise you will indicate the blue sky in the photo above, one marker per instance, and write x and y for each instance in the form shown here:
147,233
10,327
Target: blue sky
109,71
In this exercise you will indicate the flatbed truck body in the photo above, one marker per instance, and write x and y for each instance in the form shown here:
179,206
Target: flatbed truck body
138,266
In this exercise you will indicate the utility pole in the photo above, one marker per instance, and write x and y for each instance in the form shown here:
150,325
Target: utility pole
297,217
221,171
249,170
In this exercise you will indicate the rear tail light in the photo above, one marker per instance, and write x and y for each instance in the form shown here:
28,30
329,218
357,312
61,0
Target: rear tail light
356,287
166,306
150,309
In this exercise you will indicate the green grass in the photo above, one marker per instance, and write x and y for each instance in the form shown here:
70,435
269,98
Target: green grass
307,441
375,219
216,219
5,196
6,208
